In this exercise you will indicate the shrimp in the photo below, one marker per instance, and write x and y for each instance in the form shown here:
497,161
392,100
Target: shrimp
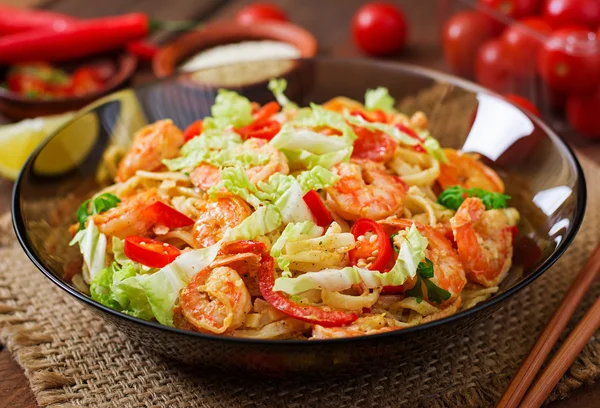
365,190
151,145
216,300
206,175
217,216
466,171
448,271
484,240
124,220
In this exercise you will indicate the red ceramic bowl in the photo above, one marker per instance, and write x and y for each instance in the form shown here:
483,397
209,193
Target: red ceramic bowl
120,66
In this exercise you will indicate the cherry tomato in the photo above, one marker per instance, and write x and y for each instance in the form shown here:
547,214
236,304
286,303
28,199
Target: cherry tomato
379,29
322,215
583,113
563,13
85,80
569,61
491,69
193,130
257,12
462,36
523,103
260,130
325,316
521,42
161,214
150,252
365,249
514,8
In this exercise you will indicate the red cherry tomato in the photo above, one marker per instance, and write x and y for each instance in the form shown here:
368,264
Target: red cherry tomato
491,69
563,13
257,12
379,29
322,215
462,36
523,103
150,252
365,249
583,113
569,61
193,130
260,130
161,214
514,8
521,42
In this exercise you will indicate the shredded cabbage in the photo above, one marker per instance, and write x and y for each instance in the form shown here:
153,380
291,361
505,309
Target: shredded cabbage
229,109
317,178
379,98
92,245
278,86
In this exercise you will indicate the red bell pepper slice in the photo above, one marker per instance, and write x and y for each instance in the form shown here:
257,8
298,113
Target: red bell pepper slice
325,316
193,130
365,248
373,116
150,252
266,112
410,132
260,130
321,214
161,214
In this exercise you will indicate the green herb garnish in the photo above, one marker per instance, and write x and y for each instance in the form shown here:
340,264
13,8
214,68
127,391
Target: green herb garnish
453,197
435,294
99,205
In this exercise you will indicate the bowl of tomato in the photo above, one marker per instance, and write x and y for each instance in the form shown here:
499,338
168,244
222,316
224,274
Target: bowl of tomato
38,88
544,51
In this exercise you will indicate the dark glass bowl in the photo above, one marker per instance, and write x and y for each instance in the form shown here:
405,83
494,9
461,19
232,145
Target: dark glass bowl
541,173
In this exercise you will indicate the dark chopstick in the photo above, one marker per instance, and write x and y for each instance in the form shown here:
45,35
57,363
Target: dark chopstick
530,367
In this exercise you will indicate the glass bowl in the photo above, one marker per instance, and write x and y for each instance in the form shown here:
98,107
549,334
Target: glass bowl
541,173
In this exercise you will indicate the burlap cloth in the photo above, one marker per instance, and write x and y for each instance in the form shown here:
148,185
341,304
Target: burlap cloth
72,357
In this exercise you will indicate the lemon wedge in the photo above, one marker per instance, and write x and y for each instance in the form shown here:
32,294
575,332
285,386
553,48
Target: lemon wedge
18,140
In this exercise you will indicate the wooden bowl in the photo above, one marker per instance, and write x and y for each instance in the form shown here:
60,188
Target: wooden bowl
168,58
121,64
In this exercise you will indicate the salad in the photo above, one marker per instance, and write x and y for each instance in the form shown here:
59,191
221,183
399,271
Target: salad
277,221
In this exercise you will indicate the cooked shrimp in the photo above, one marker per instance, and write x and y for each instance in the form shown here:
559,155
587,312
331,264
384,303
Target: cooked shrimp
218,216
365,190
205,175
124,219
216,300
464,170
448,272
484,240
151,145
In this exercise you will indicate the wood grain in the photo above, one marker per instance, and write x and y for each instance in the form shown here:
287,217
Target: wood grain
329,21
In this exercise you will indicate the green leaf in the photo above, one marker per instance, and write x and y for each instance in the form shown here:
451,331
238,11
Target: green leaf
416,291
453,197
379,98
99,204
229,109
425,269
317,178
436,294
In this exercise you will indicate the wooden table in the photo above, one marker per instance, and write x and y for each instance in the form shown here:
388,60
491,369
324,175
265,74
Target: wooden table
329,21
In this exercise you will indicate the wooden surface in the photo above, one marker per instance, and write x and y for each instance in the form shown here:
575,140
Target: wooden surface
329,21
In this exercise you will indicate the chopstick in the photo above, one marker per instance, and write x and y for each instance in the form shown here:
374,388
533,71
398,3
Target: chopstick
530,367
564,357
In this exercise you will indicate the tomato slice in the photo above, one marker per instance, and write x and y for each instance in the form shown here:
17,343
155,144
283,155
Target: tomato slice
150,252
411,133
260,130
193,130
365,248
325,316
162,214
266,111
322,215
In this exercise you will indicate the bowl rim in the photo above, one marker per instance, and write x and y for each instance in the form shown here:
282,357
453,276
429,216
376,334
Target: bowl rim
126,64
580,206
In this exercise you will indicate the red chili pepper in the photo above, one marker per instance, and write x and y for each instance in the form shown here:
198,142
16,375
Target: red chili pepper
144,50
324,316
410,132
193,130
16,19
150,252
322,215
260,130
266,111
372,116
365,248
77,40
162,214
